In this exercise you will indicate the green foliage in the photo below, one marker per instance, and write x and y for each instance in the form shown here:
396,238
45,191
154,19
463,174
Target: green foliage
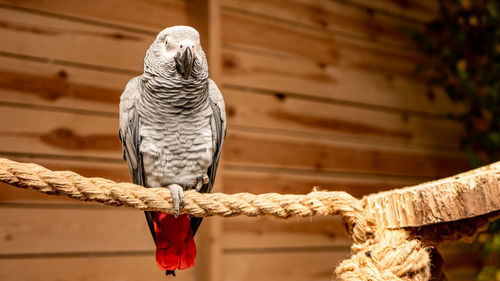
462,51
462,47
488,243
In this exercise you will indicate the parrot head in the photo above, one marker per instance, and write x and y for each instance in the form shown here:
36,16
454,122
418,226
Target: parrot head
177,50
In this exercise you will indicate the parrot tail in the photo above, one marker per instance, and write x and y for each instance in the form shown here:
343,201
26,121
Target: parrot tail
175,247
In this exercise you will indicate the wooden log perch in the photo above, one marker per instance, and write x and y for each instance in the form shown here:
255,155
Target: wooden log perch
466,195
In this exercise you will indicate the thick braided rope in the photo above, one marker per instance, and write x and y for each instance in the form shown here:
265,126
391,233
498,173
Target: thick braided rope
159,199
378,254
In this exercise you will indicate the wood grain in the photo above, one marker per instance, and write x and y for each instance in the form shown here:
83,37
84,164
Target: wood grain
147,16
97,268
243,233
337,121
462,196
68,40
66,230
333,16
256,149
334,83
94,228
273,37
246,180
417,10
282,266
24,81
32,131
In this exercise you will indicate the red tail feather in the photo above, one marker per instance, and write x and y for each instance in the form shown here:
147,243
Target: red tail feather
175,247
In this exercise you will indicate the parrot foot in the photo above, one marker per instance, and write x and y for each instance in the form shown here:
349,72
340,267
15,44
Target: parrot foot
203,180
177,197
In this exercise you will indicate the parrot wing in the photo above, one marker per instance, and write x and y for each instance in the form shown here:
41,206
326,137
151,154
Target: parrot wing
129,130
218,125
130,138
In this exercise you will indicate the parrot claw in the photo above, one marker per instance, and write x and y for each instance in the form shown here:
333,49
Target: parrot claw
204,180
198,186
177,197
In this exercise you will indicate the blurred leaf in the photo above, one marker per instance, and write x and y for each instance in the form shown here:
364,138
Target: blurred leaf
487,273
495,138
474,159
495,244
492,7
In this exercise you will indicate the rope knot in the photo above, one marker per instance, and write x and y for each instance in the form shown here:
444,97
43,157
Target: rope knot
389,255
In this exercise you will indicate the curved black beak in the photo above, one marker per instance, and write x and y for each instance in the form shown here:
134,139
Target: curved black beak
184,62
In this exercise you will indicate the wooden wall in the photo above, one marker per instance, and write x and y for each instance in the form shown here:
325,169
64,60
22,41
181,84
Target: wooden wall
318,93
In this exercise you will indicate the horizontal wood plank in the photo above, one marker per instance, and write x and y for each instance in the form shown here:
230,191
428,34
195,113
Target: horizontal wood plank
149,16
272,37
419,10
95,268
334,83
269,151
262,181
314,266
48,228
268,233
292,114
28,131
41,83
72,41
60,230
332,16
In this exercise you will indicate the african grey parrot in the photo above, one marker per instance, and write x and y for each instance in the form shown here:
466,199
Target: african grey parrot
172,126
